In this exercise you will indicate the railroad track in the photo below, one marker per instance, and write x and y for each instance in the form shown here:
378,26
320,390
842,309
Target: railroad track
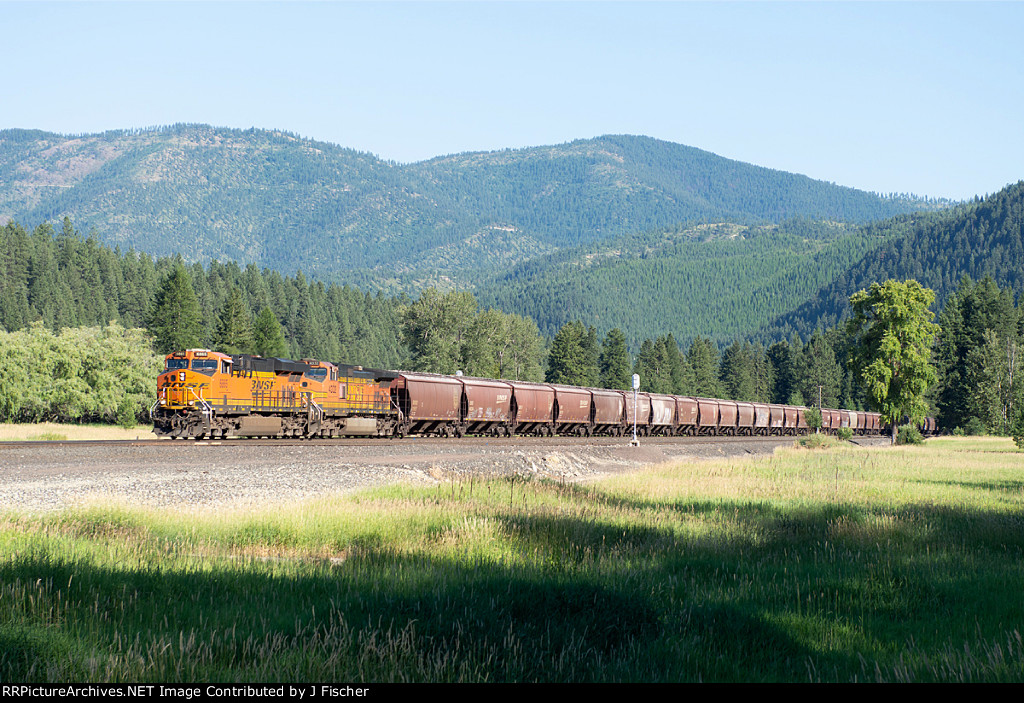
465,442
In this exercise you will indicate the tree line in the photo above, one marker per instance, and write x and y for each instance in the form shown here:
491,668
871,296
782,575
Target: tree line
978,356
65,280
60,284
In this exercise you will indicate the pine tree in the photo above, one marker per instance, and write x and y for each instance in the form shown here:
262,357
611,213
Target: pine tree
820,375
592,358
764,378
654,366
176,320
267,337
737,373
680,371
234,327
568,357
15,248
788,361
703,357
614,363
977,347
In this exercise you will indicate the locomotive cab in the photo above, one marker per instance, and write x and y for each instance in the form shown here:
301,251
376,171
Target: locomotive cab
321,377
185,388
187,376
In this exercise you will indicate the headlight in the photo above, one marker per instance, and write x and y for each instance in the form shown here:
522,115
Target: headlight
181,376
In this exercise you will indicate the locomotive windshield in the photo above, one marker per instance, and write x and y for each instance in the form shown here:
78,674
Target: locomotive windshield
207,366
318,374
176,364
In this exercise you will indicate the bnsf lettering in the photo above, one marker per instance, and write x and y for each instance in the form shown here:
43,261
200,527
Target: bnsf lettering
262,386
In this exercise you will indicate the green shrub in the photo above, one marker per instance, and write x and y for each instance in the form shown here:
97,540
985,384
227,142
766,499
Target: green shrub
127,413
976,427
958,432
844,433
48,437
818,441
813,418
908,434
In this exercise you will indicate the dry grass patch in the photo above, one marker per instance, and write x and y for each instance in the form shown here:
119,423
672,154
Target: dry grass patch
52,431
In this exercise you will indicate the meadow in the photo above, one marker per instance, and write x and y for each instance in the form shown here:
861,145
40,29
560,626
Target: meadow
840,564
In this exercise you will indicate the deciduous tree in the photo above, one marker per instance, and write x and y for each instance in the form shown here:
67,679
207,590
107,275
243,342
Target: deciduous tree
893,332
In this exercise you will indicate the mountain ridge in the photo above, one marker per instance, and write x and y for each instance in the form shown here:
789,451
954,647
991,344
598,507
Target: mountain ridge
275,199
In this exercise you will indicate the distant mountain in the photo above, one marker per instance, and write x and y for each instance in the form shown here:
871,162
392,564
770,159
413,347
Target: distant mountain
977,239
277,200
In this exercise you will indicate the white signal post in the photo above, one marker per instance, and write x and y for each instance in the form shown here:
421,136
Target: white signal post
636,387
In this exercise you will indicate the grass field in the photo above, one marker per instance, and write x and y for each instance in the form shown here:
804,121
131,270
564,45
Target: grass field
894,564
42,431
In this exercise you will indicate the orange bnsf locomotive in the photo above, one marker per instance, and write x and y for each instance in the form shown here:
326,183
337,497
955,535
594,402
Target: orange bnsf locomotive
206,394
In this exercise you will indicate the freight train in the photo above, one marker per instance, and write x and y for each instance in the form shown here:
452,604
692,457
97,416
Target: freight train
204,394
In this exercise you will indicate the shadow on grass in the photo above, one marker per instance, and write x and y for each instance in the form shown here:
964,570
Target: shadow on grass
380,616
997,486
582,600
766,523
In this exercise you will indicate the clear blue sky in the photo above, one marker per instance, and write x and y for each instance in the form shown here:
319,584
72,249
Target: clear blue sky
906,97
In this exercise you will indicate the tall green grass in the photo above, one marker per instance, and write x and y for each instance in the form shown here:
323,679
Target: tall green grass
895,564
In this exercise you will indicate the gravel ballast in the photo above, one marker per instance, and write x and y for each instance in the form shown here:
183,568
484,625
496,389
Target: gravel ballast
43,477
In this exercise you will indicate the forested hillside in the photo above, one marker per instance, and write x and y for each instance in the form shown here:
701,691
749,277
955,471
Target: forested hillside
280,201
720,281
978,239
